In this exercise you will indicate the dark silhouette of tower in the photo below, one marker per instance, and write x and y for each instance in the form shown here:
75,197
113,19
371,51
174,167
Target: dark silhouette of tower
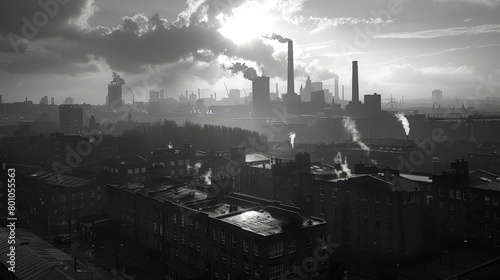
261,96
70,119
115,88
291,75
355,84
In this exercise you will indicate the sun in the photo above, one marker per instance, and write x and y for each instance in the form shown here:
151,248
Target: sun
246,24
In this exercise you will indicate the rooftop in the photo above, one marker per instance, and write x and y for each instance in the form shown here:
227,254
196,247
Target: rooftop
264,223
481,179
256,157
37,259
67,181
168,190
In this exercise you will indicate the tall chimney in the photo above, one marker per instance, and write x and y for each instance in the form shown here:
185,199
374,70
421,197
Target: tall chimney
215,96
336,87
355,86
291,75
199,94
343,92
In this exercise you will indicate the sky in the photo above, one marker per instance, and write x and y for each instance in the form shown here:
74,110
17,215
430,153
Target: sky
61,48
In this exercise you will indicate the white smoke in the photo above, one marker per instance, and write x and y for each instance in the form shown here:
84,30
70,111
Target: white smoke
194,168
170,145
207,177
404,121
350,127
374,162
343,165
292,139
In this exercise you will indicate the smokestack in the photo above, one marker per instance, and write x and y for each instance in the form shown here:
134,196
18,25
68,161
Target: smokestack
199,94
337,87
291,75
343,92
215,96
355,85
187,94
277,90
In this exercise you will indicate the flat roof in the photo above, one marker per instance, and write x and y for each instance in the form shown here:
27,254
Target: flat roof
37,259
263,223
61,180
167,190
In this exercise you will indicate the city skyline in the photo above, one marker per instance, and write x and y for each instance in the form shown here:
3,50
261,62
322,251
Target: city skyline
419,47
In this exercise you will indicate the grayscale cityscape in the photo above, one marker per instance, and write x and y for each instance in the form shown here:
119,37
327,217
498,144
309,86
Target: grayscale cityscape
250,139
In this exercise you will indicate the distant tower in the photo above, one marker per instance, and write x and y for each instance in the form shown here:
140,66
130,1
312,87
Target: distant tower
115,89
355,84
52,100
70,119
437,97
291,75
261,96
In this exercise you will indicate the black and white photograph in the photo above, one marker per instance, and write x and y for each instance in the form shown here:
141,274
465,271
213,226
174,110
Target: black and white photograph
250,139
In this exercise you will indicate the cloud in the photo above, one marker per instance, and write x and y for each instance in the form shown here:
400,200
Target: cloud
323,23
490,3
444,32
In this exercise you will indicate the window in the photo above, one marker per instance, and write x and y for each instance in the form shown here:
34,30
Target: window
452,194
441,204
245,245
129,171
458,194
198,245
452,206
73,196
321,190
63,198
92,194
233,241
172,163
182,221
214,233
143,170
256,273
364,196
222,236
292,267
495,200
155,227
275,250
487,199
276,271
256,249
183,239
322,209
246,266
175,236
309,243
174,218
335,192
223,257
98,196
233,260
216,254
292,246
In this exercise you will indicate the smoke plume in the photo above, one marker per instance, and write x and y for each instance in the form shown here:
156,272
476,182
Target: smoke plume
194,168
248,72
343,166
207,177
170,145
350,127
404,121
292,136
278,38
